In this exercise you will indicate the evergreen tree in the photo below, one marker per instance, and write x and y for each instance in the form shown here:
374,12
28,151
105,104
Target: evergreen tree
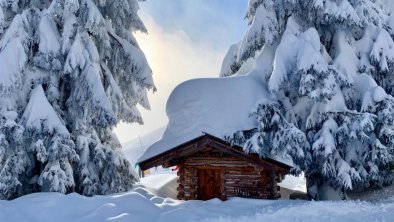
70,71
332,76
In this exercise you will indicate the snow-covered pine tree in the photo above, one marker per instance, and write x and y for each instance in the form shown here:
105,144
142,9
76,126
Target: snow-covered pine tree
332,74
70,71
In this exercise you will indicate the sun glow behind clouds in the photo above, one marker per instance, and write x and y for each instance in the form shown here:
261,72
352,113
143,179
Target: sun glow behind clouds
174,58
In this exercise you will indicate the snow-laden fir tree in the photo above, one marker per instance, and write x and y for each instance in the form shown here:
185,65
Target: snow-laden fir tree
69,72
332,75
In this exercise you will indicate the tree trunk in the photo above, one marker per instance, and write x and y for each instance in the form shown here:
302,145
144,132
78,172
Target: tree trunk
319,189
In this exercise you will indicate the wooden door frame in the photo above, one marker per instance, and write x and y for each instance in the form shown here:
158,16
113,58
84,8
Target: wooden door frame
218,190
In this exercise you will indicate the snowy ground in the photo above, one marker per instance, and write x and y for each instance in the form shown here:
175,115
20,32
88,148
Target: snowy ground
140,205
143,204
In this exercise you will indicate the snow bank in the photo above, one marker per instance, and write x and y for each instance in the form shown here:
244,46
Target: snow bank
294,183
218,106
163,185
48,207
140,206
373,194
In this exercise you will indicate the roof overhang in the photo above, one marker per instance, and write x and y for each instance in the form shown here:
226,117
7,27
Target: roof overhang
167,158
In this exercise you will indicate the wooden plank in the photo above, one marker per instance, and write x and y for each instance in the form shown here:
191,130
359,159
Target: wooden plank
181,150
237,161
281,167
236,153
248,176
209,184
189,175
213,158
238,181
243,171
242,185
215,167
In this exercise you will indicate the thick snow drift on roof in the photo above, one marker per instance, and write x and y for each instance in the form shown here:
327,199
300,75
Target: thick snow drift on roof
217,106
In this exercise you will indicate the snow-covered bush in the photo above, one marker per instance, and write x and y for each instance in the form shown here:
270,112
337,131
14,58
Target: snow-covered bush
69,72
332,75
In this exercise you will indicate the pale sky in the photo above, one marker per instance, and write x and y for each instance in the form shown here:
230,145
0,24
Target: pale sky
187,39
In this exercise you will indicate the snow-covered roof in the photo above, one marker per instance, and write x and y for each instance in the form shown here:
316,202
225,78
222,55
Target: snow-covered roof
218,106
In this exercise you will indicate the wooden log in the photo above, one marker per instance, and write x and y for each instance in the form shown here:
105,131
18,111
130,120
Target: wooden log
246,181
243,183
242,177
190,180
222,184
243,173
190,170
189,174
213,159
239,163
190,190
246,170
204,167
181,195
180,180
227,166
213,165
184,177
226,186
189,186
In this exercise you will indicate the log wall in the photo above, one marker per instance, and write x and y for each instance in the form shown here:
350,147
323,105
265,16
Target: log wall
238,178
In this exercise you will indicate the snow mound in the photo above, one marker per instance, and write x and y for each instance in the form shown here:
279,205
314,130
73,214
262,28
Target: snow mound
373,194
46,207
162,185
218,106
294,183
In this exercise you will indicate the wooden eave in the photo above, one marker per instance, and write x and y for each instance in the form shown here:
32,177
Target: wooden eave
174,156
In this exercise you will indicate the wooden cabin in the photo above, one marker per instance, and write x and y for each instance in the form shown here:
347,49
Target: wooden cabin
210,168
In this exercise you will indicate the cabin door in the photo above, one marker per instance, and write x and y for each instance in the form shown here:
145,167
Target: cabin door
209,184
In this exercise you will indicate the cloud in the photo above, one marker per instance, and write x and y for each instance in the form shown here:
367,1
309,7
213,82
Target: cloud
174,57
219,22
